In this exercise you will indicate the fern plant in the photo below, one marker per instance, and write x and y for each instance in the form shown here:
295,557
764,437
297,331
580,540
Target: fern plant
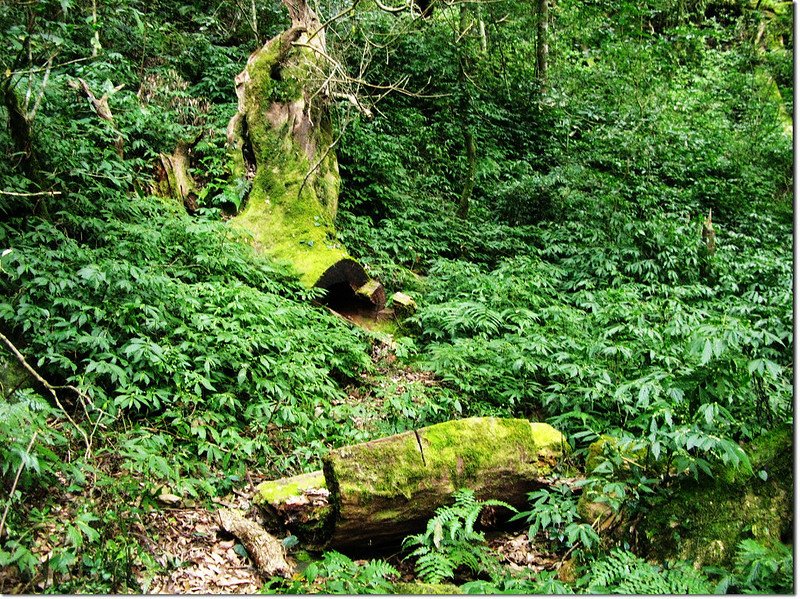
764,569
450,540
623,573
337,574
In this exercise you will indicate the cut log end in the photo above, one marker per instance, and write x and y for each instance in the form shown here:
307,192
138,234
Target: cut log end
349,288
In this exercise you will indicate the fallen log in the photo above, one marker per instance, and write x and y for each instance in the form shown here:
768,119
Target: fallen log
380,491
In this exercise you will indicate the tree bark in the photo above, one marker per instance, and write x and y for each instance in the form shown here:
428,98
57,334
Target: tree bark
541,41
174,178
470,147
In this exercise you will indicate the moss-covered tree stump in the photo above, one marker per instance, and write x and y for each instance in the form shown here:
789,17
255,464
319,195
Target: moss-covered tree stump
282,140
703,521
383,490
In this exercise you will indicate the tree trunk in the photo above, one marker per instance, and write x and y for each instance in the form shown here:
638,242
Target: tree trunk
541,42
472,163
376,493
466,108
21,132
282,138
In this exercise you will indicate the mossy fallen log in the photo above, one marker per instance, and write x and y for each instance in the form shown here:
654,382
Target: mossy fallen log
282,139
383,490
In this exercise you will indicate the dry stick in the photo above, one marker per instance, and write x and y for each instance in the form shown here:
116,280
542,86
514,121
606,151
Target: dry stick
29,195
335,17
51,389
16,482
571,549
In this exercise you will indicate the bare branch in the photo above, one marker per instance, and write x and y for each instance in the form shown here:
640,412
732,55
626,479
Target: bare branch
353,99
52,389
394,9
30,194
16,482
40,95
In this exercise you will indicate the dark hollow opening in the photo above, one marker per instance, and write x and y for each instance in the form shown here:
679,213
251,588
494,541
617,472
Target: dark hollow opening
341,298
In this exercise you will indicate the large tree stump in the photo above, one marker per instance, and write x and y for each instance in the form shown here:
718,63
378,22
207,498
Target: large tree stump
282,138
383,490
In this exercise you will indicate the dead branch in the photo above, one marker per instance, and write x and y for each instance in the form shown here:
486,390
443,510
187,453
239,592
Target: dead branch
101,108
52,389
353,99
266,551
397,87
394,9
16,482
29,194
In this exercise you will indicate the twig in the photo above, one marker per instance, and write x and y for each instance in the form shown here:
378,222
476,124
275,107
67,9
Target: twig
51,389
29,195
320,161
45,68
16,482
335,17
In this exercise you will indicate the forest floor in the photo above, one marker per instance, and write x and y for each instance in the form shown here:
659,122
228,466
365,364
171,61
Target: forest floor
196,556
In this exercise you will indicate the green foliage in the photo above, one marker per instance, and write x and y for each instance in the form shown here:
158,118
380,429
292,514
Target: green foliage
579,290
760,569
450,540
622,572
505,582
337,574
554,512
178,324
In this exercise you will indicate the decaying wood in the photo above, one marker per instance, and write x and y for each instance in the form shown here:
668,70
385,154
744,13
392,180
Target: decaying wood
102,108
267,551
708,235
282,141
383,490
175,180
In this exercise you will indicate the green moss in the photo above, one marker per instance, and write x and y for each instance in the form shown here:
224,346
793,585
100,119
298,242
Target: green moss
312,525
421,588
546,437
454,452
289,215
276,491
704,520
597,451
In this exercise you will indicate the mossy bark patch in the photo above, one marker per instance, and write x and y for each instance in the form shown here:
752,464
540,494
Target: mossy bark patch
275,491
422,588
298,503
385,489
703,521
